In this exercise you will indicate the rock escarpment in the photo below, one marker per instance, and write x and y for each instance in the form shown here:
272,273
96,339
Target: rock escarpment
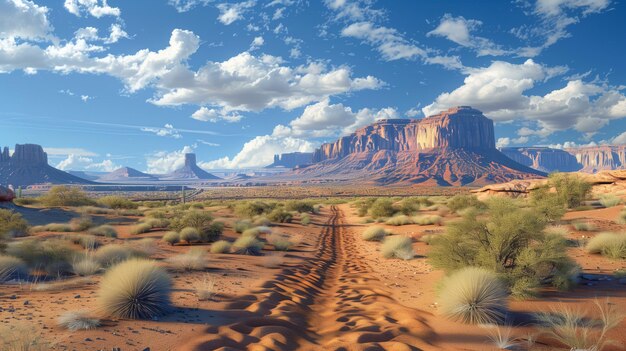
588,159
126,174
455,147
29,165
190,171
292,159
599,158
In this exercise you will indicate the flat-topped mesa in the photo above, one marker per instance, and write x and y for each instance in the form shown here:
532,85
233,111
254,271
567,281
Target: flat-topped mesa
543,158
598,158
458,127
29,154
292,159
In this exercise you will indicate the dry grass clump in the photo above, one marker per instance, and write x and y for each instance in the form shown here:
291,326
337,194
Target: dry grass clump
557,230
247,245
113,254
399,220
474,295
21,337
397,246
221,246
171,238
116,202
104,230
60,285
135,289
611,245
52,255
374,234
86,267
193,260
305,219
141,228
12,268
460,202
62,195
427,220
52,227
144,246
12,224
584,226
579,331
242,225
78,320
87,241
81,223
280,242
206,289
280,215
95,210
610,200
189,235
261,221
621,218
155,223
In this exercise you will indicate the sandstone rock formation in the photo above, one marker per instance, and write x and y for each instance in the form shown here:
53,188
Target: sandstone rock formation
126,174
292,159
455,147
6,194
586,159
190,171
29,165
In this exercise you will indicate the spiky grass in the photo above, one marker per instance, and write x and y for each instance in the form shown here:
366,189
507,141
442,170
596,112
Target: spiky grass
242,225
611,245
78,320
584,226
193,260
247,245
557,230
374,234
110,255
171,238
86,267
12,268
135,289
206,288
190,235
610,200
280,242
221,246
141,228
399,220
502,337
22,337
475,296
427,220
397,246
104,230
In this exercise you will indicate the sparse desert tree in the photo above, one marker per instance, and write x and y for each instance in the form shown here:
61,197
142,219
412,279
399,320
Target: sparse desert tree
62,195
571,188
135,289
510,241
374,234
547,203
12,224
247,245
475,296
397,246
78,320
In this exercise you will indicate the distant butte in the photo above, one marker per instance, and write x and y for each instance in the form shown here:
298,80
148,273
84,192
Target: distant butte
190,171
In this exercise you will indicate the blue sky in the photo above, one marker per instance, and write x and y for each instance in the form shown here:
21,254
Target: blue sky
102,84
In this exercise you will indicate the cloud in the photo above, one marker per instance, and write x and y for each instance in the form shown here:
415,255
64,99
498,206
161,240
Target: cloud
503,142
231,12
208,143
96,8
391,45
620,139
257,42
324,119
91,34
186,5
459,30
164,162
24,19
79,163
259,152
86,98
213,115
167,131
499,90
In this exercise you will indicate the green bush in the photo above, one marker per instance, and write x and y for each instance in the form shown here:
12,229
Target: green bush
171,238
25,201
200,220
584,226
261,221
190,235
397,246
135,289
460,202
549,204
510,241
301,206
62,195
12,224
305,219
571,189
475,296
242,225
212,232
280,215
381,208
12,268
611,245
116,202
104,230
247,245
427,220
374,234
249,209
363,206
411,205
155,223
220,246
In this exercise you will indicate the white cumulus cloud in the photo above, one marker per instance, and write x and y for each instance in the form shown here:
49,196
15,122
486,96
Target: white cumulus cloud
231,12
163,162
96,8
83,163
167,131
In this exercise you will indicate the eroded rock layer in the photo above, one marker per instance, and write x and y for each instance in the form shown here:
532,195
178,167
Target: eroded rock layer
589,159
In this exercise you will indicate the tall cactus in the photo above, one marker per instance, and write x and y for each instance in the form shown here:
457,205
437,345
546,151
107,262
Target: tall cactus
19,192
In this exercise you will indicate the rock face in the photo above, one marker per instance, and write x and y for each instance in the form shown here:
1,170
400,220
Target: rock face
6,194
589,159
455,147
126,174
29,165
190,171
292,159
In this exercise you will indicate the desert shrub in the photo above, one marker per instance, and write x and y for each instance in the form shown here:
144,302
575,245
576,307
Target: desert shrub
62,195
192,260
171,238
196,206
52,227
399,220
156,214
280,215
397,246
206,289
261,221
300,206
52,255
78,320
557,230
25,201
363,205
144,246
104,230
305,219
460,202
247,245
381,208
584,226
212,232
21,337
116,202
280,242
611,245
81,223
199,220
156,222
250,209
549,204
189,235
252,232
140,228
510,241
135,289
220,246
474,295
242,225
374,234
428,238
12,224
409,206
87,241
85,267
12,268
610,200
113,254
579,331
95,210
571,189
427,219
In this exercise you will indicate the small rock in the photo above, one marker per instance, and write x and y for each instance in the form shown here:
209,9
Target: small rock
26,303
88,339
77,297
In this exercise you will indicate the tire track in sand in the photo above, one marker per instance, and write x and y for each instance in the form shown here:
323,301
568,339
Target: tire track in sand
330,302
